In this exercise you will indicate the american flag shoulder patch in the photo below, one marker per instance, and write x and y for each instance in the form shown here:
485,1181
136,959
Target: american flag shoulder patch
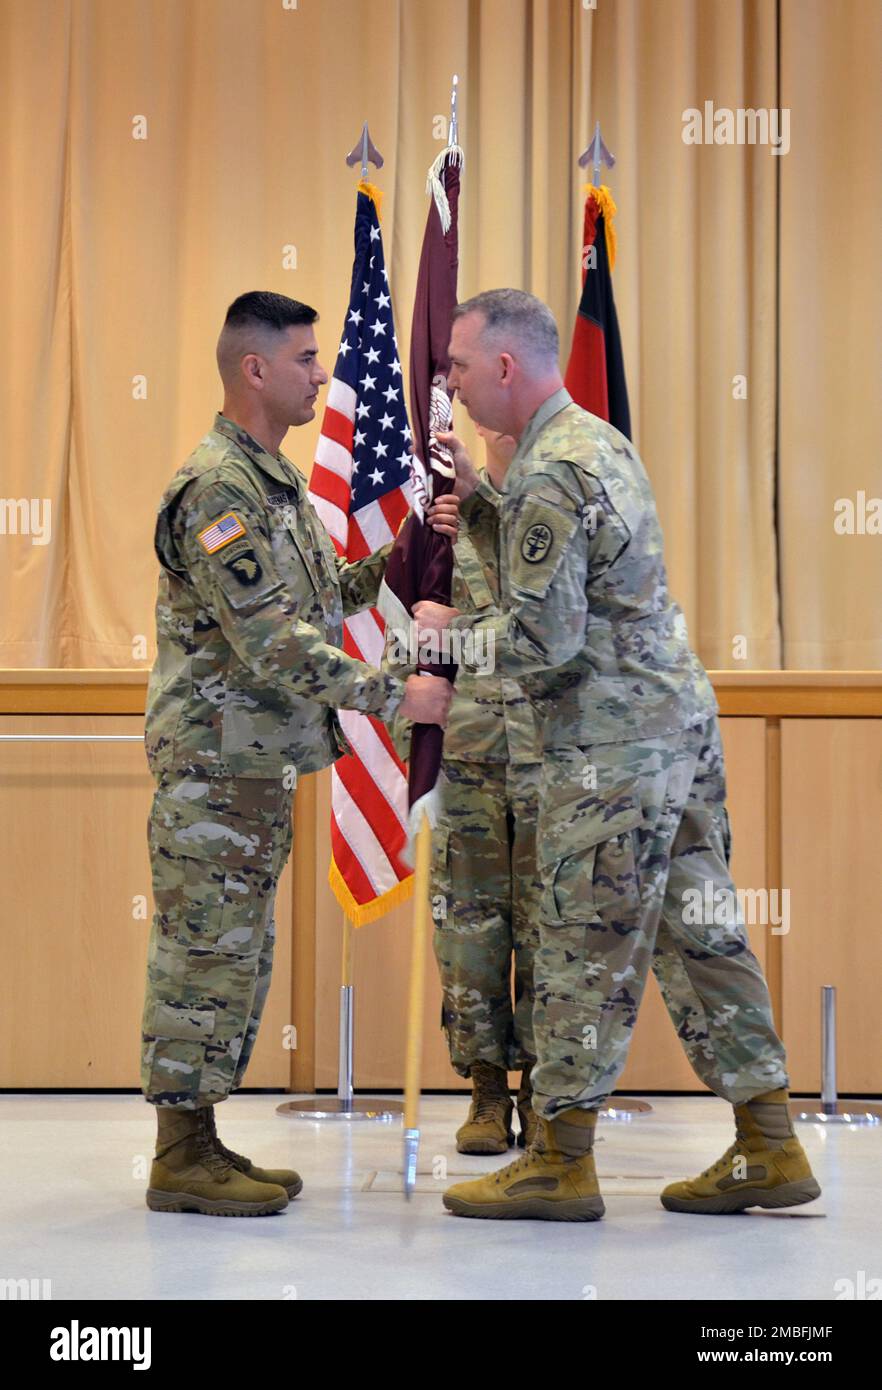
227,528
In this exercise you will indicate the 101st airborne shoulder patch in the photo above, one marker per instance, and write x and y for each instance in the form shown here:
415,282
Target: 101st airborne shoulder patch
542,532
221,532
245,573
244,564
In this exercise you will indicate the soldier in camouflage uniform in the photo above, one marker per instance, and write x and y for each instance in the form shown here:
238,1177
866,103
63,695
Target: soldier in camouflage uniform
632,824
241,700
485,887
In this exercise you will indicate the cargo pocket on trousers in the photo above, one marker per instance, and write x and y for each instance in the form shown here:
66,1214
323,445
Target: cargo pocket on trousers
217,877
193,1023
587,863
171,1072
176,1040
587,854
704,833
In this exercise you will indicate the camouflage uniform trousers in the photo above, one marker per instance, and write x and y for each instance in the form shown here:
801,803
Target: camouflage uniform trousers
485,903
217,847
632,836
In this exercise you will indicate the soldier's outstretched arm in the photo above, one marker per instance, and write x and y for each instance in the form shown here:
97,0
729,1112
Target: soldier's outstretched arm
360,579
544,623
260,616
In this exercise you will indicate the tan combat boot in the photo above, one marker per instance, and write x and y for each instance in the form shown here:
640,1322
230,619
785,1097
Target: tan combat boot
526,1114
189,1175
280,1177
487,1129
555,1180
765,1167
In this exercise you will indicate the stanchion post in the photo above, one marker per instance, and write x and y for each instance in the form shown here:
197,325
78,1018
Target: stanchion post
831,1111
343,1106
344,1063
828,1049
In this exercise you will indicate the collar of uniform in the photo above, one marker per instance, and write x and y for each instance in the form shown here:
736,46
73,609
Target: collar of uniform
551,406
277,466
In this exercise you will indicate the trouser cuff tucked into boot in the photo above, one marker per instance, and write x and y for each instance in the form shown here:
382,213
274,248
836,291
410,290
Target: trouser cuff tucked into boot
571,1132
549,1183
487,1129
277,1177
189,1175
765,1167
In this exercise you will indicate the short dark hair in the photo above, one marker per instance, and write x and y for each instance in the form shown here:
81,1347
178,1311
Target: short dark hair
264,309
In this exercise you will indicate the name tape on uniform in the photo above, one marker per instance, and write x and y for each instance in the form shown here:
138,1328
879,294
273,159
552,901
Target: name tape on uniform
227,528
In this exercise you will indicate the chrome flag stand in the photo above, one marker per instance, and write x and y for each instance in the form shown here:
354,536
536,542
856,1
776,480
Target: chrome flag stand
343,1106
833,1111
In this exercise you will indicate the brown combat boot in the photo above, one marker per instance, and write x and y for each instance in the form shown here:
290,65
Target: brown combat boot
189,1175
526,1114
765,1167
487,1129
555,1180
280,1177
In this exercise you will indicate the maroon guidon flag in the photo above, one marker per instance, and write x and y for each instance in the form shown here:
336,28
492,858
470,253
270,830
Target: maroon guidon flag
421,563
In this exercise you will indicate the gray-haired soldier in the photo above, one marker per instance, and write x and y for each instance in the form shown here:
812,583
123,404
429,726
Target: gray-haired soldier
241,699
632,804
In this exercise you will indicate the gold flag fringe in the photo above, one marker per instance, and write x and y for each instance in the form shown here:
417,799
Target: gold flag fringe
360,914
374,193
604,200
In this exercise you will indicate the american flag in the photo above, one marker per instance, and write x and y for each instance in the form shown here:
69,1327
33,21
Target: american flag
221,532
361,488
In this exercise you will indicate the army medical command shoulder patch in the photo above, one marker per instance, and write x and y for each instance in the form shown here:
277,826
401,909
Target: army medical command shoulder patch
536,543
542,533
214,537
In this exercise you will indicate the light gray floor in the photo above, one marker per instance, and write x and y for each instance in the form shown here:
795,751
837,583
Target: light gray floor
72,1210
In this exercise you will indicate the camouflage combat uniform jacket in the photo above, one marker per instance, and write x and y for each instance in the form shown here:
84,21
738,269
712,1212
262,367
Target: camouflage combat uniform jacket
249,619
589,628
490,720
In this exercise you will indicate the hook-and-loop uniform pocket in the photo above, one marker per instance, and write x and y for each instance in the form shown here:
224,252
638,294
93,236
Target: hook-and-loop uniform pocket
586,856
213,875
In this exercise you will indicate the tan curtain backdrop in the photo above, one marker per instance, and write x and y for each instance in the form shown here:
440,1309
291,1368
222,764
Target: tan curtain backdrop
121,255
695,288
831,334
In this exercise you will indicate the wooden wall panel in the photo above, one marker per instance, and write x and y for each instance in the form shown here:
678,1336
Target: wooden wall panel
73,856
832,811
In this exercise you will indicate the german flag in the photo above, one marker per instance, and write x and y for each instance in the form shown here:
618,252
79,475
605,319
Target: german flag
595,376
